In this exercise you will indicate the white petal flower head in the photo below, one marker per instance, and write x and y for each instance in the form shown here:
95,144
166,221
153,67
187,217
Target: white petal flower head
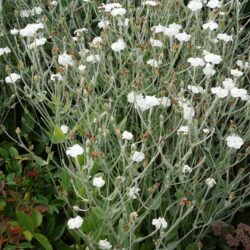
228,83
236,73
195,5
118,12
134,192
54,3
12,78
164,101
36,11
31,29
239,93
209,70
210,182
82,68
195,89
37,42
224,37
234,141
93,58
242,65
214,4
150,3
109,6
75,223
211,25
153,63
118,46
64,129
158,29
24,13
155,43
65,60
56,77
14,32
186,169
196,61
75,150
138,156
220,92
97,42
104,245
5,51
172,29
183,37
127,135
103,24
98,182
131,97
159,223
183,130
212,58
188,113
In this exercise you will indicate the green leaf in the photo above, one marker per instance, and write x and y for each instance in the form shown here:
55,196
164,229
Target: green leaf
43,241
156,203
57,233
28,123
28,235
4,153
37,218
25,245
57,136
192,246
25,221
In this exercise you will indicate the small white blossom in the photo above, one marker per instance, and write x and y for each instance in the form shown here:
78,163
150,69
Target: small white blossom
242,65
183,130
209,70
36,11
186,169
183,37
164,101
195,89
127,135
78,32
224,37
74,151
173,30
12,78
212,58
64,129
239,93
138,156
54,3
196,61
104,245
14,32
75,223
65,60
5,51
211,25
118,12
98,182
82,67
134,192
158,29
214,4
103,24
228,83
210,182
118,46
159,223
234,141
37,42
150,3
155,43
24,13
236,73
220,92
195,5
56,77
153,63
31,29
93,58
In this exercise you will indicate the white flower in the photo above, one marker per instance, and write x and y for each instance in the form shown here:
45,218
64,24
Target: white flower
211,25
14,32
110,6
196,61
242,93
118,46
183,37
31,29
209,70
242,65
206,130
210,182
118,12
103,24
183,130
65,60
134,192
82,67
195,89
164,101
234,141
188,112
93,58
172,29
37,42
151,3
97,42
5,51
212,58
224,37
64,129
75,223
159,223
78,32
228,83
127,135
54,3
123,23
138,156
158,28
156,43
104,245
236,73
74,151
214,4
12,78
195,5
220,92
186,169
98,182
131,97
153,63
24,13
56,77
36,11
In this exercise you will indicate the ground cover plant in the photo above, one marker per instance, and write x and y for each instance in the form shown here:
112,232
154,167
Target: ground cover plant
138,112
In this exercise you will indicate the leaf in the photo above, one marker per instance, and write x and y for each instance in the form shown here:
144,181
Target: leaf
43,241
25,245
192,246
58,136
28,235
156,203
57,233
28,123
4,153
25,221
37,218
